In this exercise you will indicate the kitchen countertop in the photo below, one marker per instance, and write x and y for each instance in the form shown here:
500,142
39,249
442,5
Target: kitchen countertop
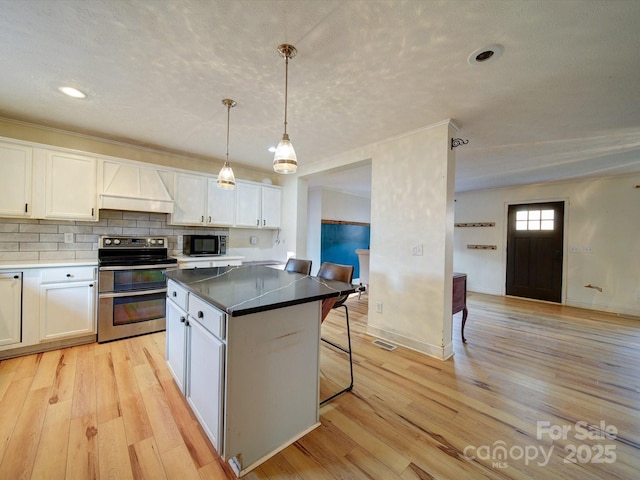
22,264
251,289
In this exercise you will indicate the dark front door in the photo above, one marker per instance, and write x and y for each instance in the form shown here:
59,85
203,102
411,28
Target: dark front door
534,251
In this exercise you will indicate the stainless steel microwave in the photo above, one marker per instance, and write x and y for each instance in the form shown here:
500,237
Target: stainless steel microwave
204,245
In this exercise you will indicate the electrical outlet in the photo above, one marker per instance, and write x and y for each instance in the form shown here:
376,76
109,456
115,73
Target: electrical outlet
416,251
588,249
574,249
379,307
68,237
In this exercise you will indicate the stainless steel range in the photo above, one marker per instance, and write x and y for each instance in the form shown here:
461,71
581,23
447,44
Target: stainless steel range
132,286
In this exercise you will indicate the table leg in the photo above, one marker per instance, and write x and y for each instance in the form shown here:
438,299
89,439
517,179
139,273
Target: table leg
464,320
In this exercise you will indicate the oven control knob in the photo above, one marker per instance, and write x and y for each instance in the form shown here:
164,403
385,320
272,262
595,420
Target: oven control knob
153,241
160,241
107,241
116,241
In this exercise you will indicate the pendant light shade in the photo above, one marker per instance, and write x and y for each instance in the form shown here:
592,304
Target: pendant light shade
285,160
226,179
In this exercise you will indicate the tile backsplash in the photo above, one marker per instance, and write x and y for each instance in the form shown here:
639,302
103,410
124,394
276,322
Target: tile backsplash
25,239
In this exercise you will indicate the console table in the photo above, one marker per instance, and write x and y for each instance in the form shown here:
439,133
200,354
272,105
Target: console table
459,302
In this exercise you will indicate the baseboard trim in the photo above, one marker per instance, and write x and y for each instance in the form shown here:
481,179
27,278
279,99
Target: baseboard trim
46,346
435,351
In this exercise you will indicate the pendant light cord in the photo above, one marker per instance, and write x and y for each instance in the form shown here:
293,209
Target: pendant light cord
228,116
286,88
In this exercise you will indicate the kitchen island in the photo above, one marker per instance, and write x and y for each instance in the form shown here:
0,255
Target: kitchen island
243,344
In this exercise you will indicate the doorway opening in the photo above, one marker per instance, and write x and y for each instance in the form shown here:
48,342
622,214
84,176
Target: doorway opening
535,235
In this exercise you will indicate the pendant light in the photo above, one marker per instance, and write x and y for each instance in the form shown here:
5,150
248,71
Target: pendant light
226,178
284,160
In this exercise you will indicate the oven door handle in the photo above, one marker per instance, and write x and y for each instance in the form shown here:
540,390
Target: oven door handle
139,267
132,293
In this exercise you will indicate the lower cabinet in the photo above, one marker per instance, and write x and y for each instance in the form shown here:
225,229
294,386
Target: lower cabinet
10,308
67,302
196,357
206,380
176,343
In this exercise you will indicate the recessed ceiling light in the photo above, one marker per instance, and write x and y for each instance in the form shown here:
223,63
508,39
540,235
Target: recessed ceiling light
485,55
73,92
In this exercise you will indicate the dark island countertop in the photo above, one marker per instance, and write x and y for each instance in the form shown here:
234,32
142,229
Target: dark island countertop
248,289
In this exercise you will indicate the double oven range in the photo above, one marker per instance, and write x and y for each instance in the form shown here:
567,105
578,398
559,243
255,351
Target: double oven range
132,286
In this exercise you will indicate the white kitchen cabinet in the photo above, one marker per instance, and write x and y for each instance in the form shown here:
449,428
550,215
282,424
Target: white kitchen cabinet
16,180
67,302
10,308
70,187
258,206
176,336
196,356
190,197
220,205
271,207
247,205
206,379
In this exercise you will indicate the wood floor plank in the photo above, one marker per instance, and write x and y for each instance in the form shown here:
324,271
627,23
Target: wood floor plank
114,463
47,367
165,430
82,452
108,401
146,463
65,376
51,457
84,388
11,405
19,456
177,463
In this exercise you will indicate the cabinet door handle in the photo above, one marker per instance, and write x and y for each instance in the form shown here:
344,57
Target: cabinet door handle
264,222
183,319
200,314
174,294
92,211
91,285
68,275
258,222
26,208
209,218
202,218
16,276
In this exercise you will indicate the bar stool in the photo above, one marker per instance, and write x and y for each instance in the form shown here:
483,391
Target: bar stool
298,265
341,273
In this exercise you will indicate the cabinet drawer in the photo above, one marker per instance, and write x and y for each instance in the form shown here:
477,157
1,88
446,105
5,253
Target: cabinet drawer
177,294
209,317
71,274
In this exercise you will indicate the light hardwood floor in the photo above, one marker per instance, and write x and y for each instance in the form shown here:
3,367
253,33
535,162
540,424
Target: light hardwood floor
112,411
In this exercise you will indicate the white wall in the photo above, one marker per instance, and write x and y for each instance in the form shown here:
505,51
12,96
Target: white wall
411,204
600,214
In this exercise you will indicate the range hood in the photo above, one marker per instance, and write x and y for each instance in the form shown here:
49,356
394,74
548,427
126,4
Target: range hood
136,187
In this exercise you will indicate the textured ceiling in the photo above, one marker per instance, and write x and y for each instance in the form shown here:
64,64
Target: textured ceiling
561,102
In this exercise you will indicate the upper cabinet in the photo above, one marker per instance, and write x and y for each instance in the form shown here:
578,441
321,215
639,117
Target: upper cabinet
220,205
129,186
271,206
16,180
258,205
248,205
70,186
190,199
